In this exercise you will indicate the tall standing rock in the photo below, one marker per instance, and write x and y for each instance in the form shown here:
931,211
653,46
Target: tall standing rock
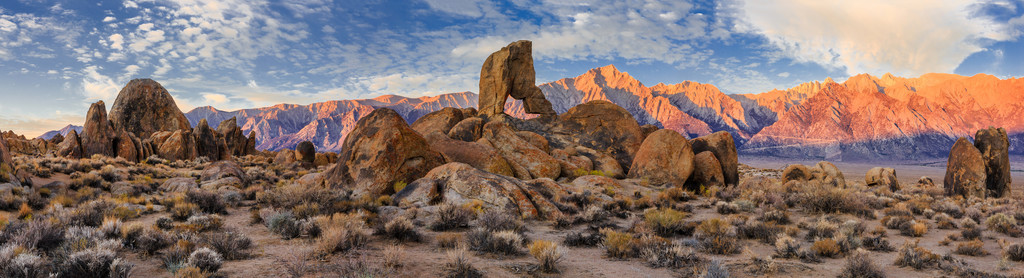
605,127
71,146
965,170
97,134
721,144
207,141
8,172
177,145
665,157
994,147
127,146
305,152
509,72
380,151
233,137
144,107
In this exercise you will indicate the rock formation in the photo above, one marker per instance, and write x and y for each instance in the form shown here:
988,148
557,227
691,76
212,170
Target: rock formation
8,173
721,144
305,152
828,174
143,107
965,171
880,176
235,141
468,130
994,147
441,120
509,72
70,146
796,172
665,157
528,161
97,134
380,151
208,142
458,183
707,172
480,156
605,127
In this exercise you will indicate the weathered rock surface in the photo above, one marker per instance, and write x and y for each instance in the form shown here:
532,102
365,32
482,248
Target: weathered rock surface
97,134
828,174
475,154
965,171
647,129
177,145
796,172
208,142
380,151
602,126
603,162
994,147
880,176
305,152
665,157
520,153
8,173
325,159
707,171
722,145
182,184
143,107
71,146
509,72
468,130
441,120
925,182
223,169
235,141
536,140
128,147
285,157
459,183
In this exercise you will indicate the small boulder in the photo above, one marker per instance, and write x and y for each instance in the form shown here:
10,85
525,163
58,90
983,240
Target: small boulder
441,120
965,171
468,130
880,176
994,147
182,184
305,152
707,172
380,151
665,157
722,145
828,174
796,172
223,169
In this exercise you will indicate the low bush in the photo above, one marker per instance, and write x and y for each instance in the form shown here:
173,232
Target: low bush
1002,223
971,248
787,247
457,265
717,236
206,259
284,225
671,256
913,256
665,221
231,244
501,242
336,239
208,202
450,216
402,229
493,220
548,254
715,269
826,248
859,265
580,239
1015,252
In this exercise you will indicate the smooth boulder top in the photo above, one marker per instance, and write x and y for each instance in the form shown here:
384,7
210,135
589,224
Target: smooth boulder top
143,107
965,170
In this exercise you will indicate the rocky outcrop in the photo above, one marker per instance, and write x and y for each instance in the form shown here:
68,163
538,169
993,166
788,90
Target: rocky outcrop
828,174
459,184
8,171
71,146
441,121
221,170
177,145
795,172
480,156
602,126
181,184
305,152
235,141
994,147
509,72
379,152
143,107
129,147
880,176
468,130
97,134
208,143
665,157
528,161
965,171
722,145
707,172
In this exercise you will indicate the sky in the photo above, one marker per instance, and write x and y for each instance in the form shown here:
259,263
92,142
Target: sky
57,57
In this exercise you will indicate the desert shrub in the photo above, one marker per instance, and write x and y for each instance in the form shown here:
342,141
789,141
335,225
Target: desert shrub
717,236
343,235
876,243
665,221
913,256
762,231
94,262
164,223
205,222
618,244
306,210
80,180
110,173
859,265
822,229
1000,222
974,213
182,211
671,256
15,261
895,222
206,259
826,248
458,265
231,244
393,256
548,254
944,221
208,202
827,199
581,239
500,242
111,227
40,234
402,229
715,269
971,233
726,208
780,216
284,225
786,247
450,216
176,257
191,272
971,248
449,240
913,228
493,220
150,241
1015,252
295,263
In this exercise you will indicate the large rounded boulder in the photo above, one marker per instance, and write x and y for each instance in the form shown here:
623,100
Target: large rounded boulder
665,157
469,129
528,161
828,174
707,172
379,152
603,126
965,171
143,107
994,147
475,154
797,172
441,120
305,152
722,145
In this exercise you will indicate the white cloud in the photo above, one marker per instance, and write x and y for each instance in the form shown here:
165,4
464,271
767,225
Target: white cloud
783,74
96,86
116,41
252,84
470,8
109,19
131,70
871,36
215,98
7,25
328,29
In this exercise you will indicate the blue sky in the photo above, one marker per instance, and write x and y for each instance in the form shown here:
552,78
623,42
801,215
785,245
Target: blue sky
56,57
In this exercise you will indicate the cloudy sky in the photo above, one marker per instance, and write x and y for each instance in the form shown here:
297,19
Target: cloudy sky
58,56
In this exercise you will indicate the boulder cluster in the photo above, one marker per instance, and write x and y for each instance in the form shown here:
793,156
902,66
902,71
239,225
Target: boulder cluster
461,155
981,169
145,121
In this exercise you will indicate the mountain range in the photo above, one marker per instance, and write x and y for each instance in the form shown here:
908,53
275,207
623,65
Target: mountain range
862,118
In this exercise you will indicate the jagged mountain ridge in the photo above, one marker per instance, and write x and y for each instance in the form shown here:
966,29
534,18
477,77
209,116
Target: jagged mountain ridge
865,117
